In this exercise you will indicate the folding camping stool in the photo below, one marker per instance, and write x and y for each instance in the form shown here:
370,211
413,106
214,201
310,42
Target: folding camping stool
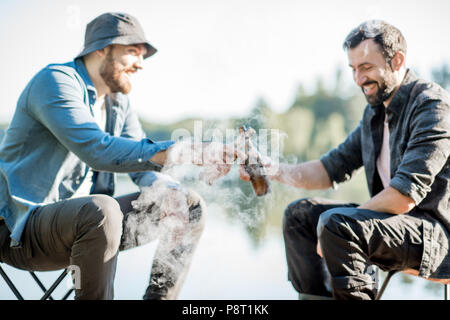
47,292
389,276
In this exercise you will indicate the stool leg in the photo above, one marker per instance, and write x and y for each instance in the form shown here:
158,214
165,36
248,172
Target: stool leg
54,285
385,283
67,294
40,284
10,284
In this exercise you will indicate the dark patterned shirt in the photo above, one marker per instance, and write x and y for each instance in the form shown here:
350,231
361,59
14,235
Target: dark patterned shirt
419,126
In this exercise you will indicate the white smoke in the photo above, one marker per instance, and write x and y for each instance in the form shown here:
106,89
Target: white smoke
192,165
204,169
166,211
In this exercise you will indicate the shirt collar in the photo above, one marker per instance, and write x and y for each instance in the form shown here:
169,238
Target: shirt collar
81,69
401,97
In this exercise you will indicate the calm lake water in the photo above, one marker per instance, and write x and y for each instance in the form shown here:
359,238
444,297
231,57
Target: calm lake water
227,265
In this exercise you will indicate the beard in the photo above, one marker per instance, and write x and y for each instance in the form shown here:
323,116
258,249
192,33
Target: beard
385,88
114,75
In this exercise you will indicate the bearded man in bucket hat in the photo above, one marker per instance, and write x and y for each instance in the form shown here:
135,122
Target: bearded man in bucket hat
73,128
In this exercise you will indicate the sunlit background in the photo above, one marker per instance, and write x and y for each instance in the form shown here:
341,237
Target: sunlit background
267,63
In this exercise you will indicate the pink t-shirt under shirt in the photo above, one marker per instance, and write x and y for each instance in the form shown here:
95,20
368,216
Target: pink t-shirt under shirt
384,159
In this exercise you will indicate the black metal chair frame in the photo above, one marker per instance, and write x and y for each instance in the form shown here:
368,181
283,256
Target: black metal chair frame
388,278
47,292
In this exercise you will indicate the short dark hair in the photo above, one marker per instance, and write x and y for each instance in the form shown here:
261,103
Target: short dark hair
388,37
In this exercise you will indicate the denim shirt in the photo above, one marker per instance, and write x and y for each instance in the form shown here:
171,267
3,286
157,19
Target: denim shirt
53,139
419,127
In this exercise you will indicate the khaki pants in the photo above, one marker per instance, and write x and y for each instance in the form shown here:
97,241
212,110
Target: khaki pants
89,232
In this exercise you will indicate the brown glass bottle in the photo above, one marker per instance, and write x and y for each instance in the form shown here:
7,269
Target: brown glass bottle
255,169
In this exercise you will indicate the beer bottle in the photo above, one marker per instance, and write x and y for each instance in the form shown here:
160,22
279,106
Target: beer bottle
253,165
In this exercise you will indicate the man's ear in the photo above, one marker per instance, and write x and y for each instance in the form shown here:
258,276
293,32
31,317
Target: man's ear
100,53
398,61
103,52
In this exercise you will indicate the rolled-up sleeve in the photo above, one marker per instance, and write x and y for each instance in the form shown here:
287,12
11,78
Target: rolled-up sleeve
427,150
56,100
342,161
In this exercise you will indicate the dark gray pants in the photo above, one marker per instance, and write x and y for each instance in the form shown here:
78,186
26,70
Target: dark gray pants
88,233
351,241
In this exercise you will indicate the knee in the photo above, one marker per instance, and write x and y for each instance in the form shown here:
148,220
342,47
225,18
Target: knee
104,209
296,213
102,214
333,221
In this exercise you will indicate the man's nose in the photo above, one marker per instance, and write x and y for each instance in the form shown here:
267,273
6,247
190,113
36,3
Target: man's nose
139,61
359,78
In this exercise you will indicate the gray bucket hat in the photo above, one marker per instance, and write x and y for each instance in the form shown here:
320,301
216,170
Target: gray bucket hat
114,28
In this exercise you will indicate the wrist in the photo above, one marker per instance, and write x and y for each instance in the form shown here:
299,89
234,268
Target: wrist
275,174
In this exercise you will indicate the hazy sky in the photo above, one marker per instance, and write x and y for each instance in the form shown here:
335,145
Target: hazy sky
215,58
